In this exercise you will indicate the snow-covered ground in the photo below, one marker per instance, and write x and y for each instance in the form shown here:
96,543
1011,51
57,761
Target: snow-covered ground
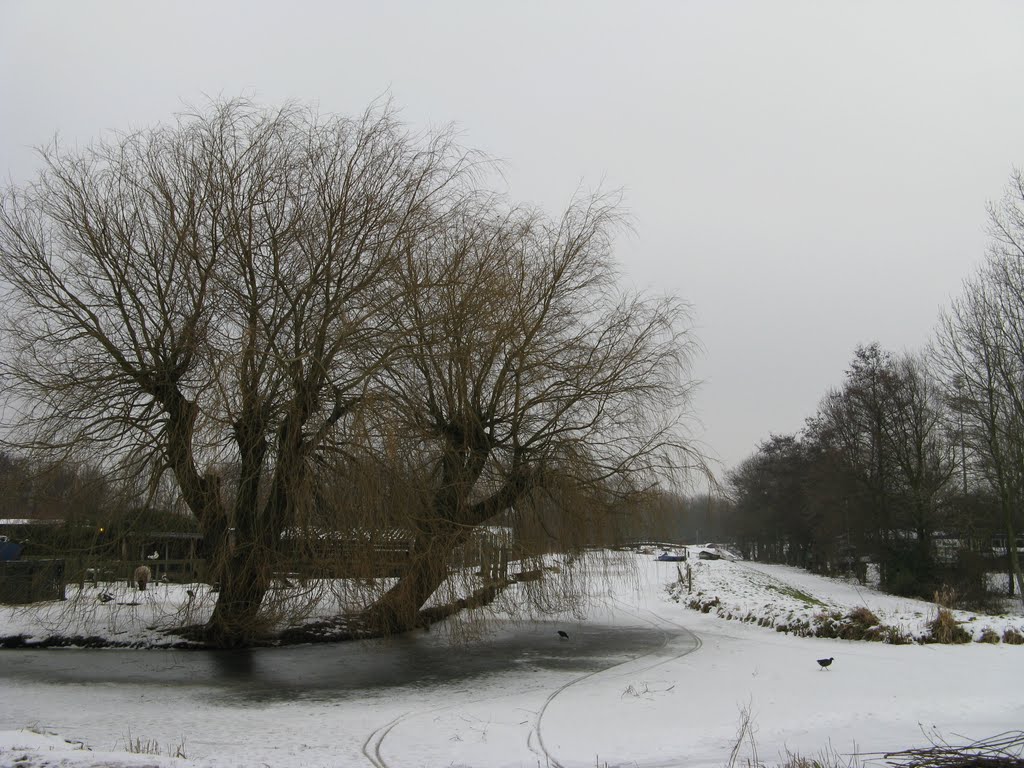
678,702
780,597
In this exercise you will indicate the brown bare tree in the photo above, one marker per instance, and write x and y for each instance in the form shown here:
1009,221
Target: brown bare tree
211,295
980,349
528,385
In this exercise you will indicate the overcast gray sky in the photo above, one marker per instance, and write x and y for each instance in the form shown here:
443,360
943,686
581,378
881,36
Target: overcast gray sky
808,175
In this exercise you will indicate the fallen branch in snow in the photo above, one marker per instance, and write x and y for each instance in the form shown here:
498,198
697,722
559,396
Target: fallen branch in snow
645,691
1003,751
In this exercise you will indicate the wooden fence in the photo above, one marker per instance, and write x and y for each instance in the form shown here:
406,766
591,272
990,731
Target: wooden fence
31,581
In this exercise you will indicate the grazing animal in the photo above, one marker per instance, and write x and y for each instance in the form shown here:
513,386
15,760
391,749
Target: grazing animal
104,597
563,634
824,663
154,556
142,576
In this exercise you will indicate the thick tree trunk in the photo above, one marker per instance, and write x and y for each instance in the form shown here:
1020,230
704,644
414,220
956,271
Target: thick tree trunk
924,552
1013,559
398,610
235,621
1007,501
243,571
241,563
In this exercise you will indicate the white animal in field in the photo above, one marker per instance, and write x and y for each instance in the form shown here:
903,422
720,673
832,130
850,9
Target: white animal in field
142,576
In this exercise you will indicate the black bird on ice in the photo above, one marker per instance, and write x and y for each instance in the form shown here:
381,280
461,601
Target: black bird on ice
563,634
825,662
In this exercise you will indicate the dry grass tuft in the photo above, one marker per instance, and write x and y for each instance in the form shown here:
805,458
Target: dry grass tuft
946,597
945,629
137,746
863,616
989,635
1013,637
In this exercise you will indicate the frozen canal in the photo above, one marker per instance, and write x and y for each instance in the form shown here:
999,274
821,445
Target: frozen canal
342,670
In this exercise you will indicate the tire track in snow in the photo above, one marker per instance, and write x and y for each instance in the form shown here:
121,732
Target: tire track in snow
372,745
535,741
659,624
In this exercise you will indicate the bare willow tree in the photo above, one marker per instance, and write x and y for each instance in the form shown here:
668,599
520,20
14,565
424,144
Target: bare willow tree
207,299
527,384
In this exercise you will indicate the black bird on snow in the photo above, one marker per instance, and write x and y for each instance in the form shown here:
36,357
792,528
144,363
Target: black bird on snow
104,597
824,663
563,634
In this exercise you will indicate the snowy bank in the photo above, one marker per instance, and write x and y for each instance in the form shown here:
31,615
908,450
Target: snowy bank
789,599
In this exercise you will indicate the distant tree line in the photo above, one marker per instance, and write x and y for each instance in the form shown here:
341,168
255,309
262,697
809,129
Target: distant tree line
55,491
916,462
66,507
